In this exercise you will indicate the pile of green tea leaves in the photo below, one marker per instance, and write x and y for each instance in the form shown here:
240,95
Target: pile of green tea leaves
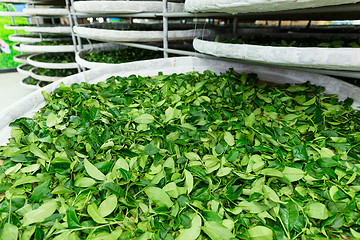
62,42
27,67
30,81
310,42
47,35
186,156
54,43
55,57
123,55
55,72
43,83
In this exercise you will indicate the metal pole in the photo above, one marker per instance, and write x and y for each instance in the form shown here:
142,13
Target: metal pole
72,32
12,18
75,22
235,24
165,28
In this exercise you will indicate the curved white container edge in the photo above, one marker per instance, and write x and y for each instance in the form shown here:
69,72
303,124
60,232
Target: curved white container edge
126,7
50,65
239,6
313,57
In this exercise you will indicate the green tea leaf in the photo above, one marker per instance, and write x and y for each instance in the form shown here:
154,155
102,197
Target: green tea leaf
250,120
150,150
10,232
193,232
72,220
41,213
217,231
93,171
189,181
260,233
94,213
84,182
288,214
113,188
108,205
300,152
317,210
229,139
293,174
145,119
159,197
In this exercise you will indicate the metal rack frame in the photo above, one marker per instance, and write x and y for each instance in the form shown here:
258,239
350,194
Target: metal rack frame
348,11
342,11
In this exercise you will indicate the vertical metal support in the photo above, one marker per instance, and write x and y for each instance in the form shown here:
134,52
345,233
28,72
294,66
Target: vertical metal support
76,24
165,29
308,25
12,18
38,24
235,24
72,31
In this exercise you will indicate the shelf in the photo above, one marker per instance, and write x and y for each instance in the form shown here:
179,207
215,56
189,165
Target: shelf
13,14
341,12
290,10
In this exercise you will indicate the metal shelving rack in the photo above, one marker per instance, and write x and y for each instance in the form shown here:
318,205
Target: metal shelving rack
339,12
38,17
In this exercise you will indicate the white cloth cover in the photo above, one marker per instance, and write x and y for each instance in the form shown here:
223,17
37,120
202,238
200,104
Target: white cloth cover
32,102
46,11
313,57
84,63
138,36
48,29
43,78
21,58
50,65
127,7
247,6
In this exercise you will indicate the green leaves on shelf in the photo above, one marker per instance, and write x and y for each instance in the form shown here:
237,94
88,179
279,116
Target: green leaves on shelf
122,55
307,42
55,58
185,156
55,72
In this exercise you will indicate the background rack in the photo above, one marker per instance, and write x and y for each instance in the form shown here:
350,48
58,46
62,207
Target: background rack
340,12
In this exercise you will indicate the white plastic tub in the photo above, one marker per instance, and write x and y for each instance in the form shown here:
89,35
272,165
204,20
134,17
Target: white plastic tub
31,103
